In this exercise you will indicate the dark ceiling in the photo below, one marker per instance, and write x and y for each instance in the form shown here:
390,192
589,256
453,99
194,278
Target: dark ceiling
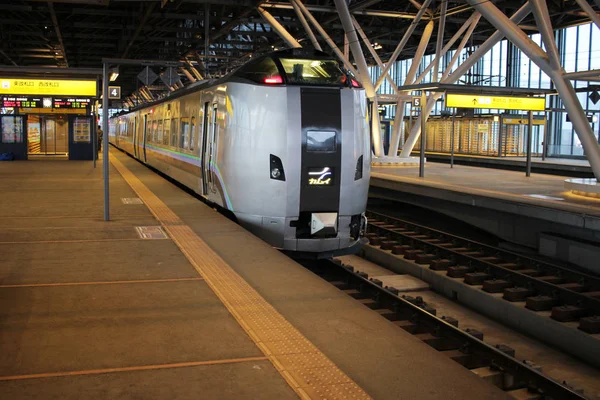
79,33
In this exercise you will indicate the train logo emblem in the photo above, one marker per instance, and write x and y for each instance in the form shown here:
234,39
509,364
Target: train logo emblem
319,177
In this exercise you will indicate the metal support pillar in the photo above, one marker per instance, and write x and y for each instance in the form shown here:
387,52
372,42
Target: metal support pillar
589,11
105,160
448,46
410,76
563,85
281,31
461,46
402,43
440,39
328,39
462,69
423,136
529,140
304,23
363,70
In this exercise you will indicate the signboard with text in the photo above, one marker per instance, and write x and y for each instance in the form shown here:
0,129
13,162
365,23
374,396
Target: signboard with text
52,87
496,102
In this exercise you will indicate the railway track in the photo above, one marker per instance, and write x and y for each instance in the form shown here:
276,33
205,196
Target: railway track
571,297
496,365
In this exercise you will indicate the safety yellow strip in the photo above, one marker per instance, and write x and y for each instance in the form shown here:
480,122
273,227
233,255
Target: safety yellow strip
305,368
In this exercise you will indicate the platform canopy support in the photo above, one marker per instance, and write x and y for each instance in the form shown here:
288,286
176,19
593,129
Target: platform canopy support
463,68
363,70
277,27
548,62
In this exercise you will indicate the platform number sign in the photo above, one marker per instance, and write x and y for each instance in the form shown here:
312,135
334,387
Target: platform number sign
114,92
416,102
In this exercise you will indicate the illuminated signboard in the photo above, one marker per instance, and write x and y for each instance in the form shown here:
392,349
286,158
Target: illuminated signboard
496,102
52,87
72,103
322,176
22,102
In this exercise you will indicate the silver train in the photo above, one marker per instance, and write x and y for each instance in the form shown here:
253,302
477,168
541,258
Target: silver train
282,143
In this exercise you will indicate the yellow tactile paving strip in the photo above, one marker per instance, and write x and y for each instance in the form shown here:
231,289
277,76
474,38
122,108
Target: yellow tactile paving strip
305,368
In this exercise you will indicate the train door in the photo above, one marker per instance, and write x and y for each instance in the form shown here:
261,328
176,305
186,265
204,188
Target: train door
135,138
205,165
145,132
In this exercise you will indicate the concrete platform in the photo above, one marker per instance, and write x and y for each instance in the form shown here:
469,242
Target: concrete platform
505,203
91,310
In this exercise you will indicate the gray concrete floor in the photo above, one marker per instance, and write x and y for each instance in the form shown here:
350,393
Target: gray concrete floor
510,185
58,314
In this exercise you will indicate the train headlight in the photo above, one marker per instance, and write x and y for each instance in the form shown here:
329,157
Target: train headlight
276,166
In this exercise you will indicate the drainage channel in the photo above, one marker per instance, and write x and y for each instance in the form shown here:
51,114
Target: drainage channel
496,365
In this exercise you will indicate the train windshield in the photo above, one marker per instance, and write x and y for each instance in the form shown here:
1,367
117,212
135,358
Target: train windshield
315,72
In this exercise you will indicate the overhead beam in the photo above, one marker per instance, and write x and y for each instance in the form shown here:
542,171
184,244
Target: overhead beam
138,29
57,30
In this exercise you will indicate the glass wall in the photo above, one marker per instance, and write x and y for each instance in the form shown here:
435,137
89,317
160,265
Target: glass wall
505,65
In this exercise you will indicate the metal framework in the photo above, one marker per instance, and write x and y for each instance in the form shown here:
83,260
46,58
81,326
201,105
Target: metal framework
211,37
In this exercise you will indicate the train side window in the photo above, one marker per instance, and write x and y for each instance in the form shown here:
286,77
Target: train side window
259,71
154,131
174,132
148,129
192,133
166,132
184,134
159,132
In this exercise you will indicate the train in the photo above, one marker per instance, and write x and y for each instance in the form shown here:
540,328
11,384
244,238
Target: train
282,144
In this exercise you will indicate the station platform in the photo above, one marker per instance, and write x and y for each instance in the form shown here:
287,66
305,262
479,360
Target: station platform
521,210
554,166
170,299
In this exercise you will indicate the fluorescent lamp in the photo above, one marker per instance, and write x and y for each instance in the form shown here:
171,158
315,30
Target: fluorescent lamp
113,76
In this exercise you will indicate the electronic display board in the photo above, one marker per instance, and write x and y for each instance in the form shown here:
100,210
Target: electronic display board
22,102
72,103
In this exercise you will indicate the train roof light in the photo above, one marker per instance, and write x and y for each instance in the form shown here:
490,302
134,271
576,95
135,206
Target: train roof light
274,79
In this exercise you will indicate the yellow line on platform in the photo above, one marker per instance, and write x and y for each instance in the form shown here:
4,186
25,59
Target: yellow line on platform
130,369
27,285
304,367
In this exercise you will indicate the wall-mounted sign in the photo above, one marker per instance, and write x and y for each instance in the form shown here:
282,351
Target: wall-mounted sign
522,121
496,102
56,87
114,92
416,102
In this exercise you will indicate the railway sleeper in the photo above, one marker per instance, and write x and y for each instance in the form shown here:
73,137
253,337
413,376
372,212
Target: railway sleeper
514,294
476,278
458,271
555,280
388,244
525,394
490,375
511,266
412,253
540,303
590,324
425,258
467,360
356,294
441,264
496,285
400,249
574,286
440,343
567,313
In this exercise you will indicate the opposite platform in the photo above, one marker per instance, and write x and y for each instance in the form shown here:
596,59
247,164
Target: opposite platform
91,309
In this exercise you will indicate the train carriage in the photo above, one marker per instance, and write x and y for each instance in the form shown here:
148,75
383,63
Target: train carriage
282,143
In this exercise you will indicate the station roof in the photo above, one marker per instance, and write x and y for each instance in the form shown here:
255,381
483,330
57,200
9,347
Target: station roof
79,33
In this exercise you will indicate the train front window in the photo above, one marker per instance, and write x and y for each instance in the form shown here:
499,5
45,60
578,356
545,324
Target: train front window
316,72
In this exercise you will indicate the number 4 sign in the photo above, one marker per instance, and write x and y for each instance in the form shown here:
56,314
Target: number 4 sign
114,92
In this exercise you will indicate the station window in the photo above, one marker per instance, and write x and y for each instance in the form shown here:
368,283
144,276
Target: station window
159,132
192,133
166,132
184,134
259,71
12,129
174,133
